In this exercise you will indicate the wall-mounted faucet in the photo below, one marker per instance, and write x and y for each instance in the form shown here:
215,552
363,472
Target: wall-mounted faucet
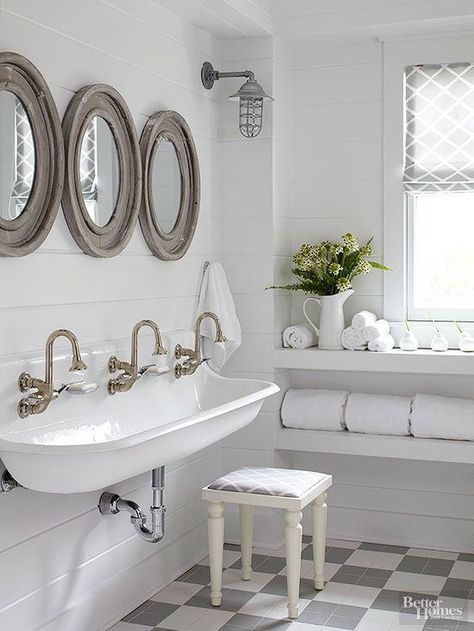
38,401
130,370
194,356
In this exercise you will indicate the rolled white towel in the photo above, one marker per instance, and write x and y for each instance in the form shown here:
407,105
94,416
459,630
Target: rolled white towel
376,329
382,344
353,339
363,319
378,414
442,417
299,336
314,409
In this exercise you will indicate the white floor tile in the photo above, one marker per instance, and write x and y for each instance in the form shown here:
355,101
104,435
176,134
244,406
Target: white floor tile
269,552
211,621
373,625
462,569
381,616
280,611
340,543
427,584
363,558
127,626
231,580
182,618
260,604
361,596
388,561
433,554
229,558
177,593
334,593
401,581
302,626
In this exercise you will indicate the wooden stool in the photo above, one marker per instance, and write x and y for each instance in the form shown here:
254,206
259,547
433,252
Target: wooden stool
288,489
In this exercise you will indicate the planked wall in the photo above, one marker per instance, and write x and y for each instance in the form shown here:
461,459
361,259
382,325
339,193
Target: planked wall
62,566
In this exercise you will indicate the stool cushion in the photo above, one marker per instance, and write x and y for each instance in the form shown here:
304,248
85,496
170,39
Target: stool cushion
268,481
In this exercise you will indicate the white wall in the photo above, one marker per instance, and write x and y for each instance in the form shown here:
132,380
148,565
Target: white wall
62,566
337,187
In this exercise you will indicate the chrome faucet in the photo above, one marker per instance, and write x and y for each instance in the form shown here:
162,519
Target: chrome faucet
131,371
194,356
38,401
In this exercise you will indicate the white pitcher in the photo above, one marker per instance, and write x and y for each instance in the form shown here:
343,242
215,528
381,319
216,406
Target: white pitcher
331,319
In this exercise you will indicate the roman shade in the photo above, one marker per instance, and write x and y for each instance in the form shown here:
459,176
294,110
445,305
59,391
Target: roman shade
439,128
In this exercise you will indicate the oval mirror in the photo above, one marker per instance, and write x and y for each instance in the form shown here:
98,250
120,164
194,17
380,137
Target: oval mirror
100,179
166,183
31,157
17,156
171,192
103,185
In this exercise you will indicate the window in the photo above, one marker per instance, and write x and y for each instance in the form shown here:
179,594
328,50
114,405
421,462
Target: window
439,191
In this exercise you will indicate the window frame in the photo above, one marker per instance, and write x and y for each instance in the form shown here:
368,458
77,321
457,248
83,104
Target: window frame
397,55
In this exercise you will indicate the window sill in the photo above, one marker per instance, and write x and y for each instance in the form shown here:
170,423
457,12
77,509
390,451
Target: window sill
422,361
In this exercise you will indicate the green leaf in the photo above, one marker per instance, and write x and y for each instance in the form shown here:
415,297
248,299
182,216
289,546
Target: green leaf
376,265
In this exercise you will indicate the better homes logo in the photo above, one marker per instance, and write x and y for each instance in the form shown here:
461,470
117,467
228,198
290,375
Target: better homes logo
426,609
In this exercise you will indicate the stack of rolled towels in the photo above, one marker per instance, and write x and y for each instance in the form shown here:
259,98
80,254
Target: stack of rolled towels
367,332
424,416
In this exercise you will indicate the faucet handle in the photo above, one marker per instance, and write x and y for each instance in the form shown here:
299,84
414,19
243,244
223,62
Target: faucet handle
113,364
25,382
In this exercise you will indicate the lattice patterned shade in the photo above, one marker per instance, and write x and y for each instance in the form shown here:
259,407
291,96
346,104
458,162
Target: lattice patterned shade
439,128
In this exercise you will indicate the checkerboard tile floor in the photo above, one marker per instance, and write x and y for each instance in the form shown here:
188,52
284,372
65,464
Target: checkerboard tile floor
364,588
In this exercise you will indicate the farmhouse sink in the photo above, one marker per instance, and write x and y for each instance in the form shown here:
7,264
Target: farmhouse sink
85,443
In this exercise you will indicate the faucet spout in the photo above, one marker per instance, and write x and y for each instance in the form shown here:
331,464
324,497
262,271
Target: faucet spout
130,370
38,401
195,358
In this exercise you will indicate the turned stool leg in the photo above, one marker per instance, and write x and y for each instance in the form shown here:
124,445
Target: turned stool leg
246,539
293,536
319,512
216,549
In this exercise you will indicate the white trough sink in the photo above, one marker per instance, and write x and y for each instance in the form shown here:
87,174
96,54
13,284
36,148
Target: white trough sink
88,442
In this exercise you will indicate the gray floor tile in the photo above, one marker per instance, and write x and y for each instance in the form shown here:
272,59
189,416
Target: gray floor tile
337,555
232,599
412,564
232,546
154,614
313,617
199,574
319,606
464,556
371,581
457,587
339,622
136,611
278,586
440,625
271,624
438,567
375,547
243,621
257,559
271,565
307,538
349,611
396,549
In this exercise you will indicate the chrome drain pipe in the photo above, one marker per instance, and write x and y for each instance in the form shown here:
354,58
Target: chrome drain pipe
111,504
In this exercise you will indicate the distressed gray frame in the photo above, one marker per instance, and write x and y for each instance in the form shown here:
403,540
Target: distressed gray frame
104,101
24,234
172,245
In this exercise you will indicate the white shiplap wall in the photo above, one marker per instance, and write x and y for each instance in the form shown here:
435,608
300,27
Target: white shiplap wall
337,187
62,566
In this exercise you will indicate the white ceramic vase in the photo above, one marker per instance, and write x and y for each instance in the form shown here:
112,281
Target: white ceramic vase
331,319
466,343
408,342
439,343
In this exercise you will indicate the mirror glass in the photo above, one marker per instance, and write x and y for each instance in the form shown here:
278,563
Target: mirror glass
17,156
99,170
166,184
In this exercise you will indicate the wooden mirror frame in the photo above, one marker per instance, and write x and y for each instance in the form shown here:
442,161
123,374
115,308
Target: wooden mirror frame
24,234
104,101
170,246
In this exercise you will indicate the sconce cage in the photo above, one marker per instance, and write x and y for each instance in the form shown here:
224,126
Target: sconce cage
251,96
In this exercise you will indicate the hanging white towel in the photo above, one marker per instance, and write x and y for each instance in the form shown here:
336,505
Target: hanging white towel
314,409
353,339
216,296
376,329
299,336
382,344
378,414
363,319
442,417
